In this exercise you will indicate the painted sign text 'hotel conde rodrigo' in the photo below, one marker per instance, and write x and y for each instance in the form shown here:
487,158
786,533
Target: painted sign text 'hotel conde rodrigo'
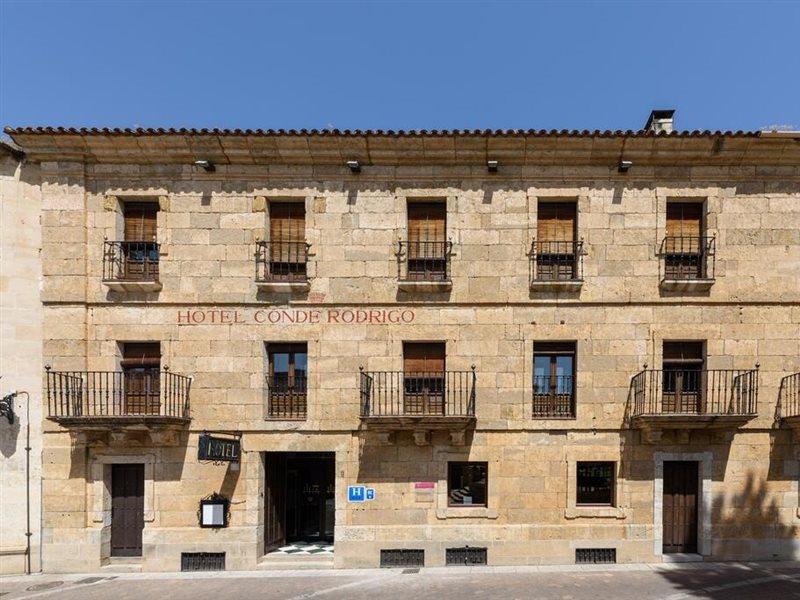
295,316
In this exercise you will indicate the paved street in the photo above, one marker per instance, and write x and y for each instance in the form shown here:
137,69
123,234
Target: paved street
637,582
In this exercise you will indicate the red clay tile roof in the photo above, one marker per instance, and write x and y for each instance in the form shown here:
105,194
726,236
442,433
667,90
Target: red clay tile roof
150,131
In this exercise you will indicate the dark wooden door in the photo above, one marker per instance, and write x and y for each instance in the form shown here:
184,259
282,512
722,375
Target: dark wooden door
127,509
274,500
141,374
423,378
680,506
684,382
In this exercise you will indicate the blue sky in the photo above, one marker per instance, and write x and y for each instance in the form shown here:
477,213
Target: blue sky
399,64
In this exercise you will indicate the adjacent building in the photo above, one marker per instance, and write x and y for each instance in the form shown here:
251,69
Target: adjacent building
20,362
365,348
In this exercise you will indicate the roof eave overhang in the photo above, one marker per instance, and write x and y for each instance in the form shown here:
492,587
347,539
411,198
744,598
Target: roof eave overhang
509,147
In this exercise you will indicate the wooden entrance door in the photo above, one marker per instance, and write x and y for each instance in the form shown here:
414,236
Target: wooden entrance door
127,509
680,506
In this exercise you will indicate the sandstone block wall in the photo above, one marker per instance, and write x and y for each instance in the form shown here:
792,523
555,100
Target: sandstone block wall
208,226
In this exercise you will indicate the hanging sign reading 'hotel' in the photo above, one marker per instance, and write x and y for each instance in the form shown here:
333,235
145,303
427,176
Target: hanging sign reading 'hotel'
218,449
296,316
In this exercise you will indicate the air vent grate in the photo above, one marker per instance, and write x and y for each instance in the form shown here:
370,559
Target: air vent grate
595,556
402,558
202,561
465,556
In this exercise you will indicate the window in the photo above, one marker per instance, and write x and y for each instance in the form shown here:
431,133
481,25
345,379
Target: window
428,249
423,378
685,244
683,377
141,364
287,380
556,248
287,249
136,257
554,379
467,483
595,485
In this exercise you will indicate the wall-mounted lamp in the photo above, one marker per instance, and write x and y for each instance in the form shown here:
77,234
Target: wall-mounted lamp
214,511
492,165
624,166
206,165
354,166
7,407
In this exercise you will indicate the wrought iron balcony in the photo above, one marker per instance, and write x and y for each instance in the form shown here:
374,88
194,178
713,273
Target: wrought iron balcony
694,398
140,397
553,396
287,400
688,261
424,263
282,264
131,266
789,400
404,397
556,263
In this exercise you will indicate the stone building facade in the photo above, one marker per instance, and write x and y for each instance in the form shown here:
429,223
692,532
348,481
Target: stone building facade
551,378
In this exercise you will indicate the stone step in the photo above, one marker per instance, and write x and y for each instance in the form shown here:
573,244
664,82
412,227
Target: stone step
276,560
123,565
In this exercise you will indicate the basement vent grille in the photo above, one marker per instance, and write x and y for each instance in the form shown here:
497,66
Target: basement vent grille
402,558
595,556
202,561
465,556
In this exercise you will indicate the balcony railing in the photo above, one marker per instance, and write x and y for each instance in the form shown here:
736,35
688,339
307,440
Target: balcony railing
130,261
281,262
287,400
418,394
681,392
92,395
554,396
789,397
556,261
419,261
688,258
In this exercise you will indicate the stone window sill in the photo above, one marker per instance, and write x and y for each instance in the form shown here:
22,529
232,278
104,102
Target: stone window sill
594,512
477,512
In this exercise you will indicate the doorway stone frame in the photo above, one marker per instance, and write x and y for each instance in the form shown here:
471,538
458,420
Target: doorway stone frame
100,489
705,462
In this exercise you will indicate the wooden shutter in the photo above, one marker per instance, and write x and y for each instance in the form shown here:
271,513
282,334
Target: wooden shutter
683,352
140,221
141,354
684,219
427,222
423,357
556,222
287,222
